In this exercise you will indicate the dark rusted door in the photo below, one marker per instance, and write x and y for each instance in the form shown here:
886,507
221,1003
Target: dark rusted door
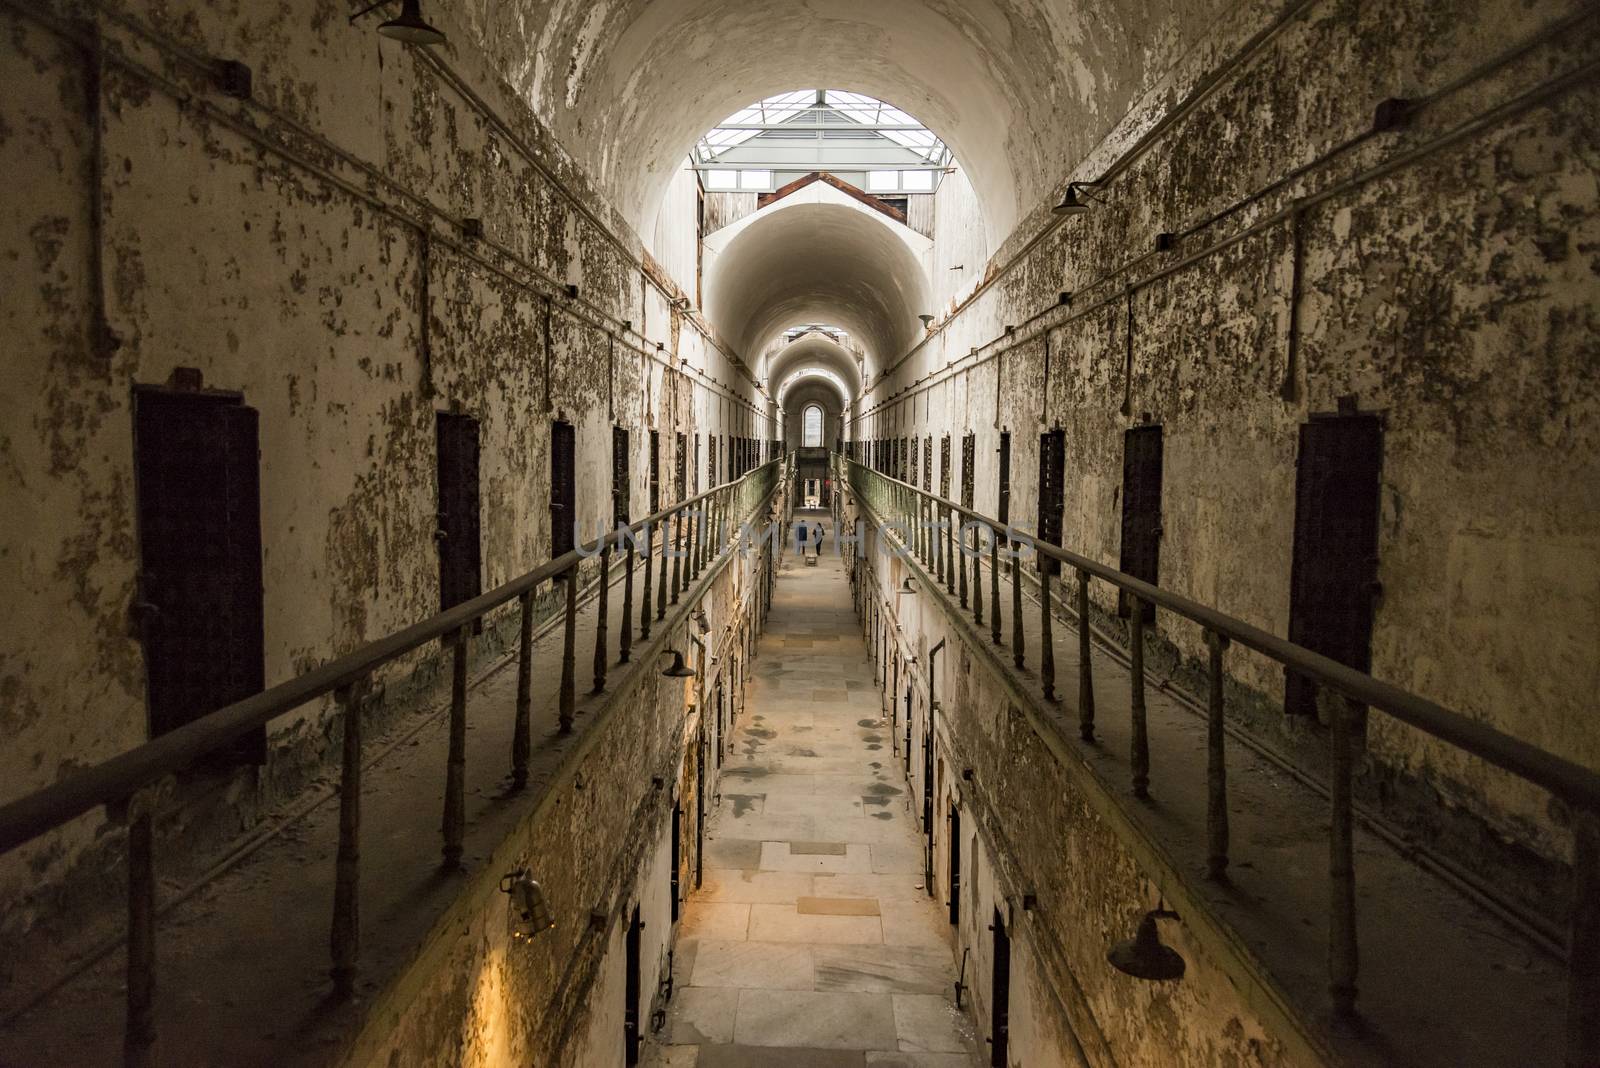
198,502
676,882
621,484
944,467
680,485
563,486
1141,510
460,554
1335,568
655,471
927,464
1000,994
969,465
955,867
632,1022
1052,492
711,464
1005,477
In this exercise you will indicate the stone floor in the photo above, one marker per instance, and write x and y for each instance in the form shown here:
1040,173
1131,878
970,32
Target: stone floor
812,941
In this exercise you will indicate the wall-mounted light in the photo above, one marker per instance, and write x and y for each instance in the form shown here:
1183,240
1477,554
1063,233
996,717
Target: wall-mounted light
677,669
1076,201
531,913
1145,956
927,320
409,26
907,587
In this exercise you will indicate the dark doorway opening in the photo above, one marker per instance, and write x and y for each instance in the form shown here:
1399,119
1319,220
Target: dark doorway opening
1052,493
1000,998
955,867
1141,511
563,486
655,471
700,811
460,551
633,1008
198,501
677,855
1333,577
1004,511
621,484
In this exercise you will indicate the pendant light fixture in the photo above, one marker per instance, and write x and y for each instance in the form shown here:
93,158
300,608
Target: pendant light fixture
409,26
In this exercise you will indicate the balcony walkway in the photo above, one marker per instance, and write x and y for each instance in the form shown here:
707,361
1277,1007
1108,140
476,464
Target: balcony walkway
812,941
243,958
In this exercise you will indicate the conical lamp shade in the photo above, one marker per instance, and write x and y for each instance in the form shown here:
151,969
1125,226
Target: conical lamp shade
410,26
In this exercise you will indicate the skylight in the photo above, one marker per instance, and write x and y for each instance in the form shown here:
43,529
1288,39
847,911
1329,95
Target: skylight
828,130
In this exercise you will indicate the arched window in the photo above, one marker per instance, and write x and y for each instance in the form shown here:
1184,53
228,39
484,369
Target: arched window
811,426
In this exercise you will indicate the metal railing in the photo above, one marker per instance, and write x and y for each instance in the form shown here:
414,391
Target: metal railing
947,537
693,535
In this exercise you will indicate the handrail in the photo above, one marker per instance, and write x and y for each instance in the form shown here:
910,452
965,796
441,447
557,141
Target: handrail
1560,776
115,780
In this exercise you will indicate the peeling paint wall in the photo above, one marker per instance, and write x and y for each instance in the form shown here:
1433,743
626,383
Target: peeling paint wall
1449,280
307,248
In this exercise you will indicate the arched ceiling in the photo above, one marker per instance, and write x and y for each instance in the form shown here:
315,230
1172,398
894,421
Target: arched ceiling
1018,89
818,263
812,350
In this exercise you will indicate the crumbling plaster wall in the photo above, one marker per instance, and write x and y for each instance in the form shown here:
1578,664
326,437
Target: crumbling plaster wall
303,247
1454,293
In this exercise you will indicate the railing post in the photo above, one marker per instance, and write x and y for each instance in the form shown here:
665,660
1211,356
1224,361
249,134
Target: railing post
344,937
1342,953
950,566
994,587
1019,641
679,518
522,725
569,653
977,573
625,635
1085,664
602,610
139,1029
961,561
455,769
661,590
1047,648
1140,756
1216,766
1583,943
649,567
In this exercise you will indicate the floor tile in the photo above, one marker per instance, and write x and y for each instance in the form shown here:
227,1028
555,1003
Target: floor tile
822,1021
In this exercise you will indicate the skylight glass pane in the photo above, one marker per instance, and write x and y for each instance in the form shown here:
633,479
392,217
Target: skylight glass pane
722,179
916,181
756,180
883,181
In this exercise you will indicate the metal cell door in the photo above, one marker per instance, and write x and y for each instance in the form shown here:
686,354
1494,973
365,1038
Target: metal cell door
633,989
1333,577
460,553
969,463
621,484
1141,510
1000,996
955,867
1004,513
199,608
1052,492
563,486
